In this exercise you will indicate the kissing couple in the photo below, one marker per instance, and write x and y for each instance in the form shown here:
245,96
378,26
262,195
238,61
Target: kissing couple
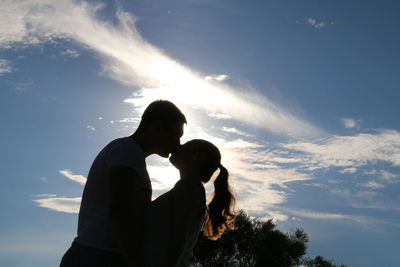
119,225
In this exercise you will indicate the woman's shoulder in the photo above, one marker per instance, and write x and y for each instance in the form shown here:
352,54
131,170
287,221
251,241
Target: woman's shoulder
189,186
189,194
191,191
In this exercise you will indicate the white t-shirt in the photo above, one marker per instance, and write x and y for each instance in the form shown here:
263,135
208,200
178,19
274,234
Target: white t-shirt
94,226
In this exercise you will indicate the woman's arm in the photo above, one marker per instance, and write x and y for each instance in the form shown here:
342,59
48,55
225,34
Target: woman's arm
185,198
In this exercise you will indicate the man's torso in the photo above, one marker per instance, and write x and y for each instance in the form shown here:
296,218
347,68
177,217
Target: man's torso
94,226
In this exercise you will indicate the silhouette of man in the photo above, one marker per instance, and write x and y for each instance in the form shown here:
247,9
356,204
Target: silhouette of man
117,189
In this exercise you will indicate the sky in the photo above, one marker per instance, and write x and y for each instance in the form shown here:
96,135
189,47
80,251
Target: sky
301,97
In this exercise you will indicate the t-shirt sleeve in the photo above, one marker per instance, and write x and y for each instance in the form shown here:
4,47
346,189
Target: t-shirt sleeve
124,155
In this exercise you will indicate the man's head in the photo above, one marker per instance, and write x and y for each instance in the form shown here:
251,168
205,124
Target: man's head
162,123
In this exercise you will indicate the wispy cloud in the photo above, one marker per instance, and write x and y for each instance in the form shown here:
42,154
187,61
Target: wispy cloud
235,131
316,24
372,185
70,53
219,116
389,177
262,173
364,220
5,66
348,170
350,151
90,127
262,167
350,123
258,171
258,174
74,177
217,77
62,204
355,197
23,86
128,58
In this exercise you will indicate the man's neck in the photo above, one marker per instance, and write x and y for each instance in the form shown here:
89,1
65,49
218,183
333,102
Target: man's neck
142,140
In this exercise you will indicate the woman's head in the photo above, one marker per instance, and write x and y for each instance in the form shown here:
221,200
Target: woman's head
199,159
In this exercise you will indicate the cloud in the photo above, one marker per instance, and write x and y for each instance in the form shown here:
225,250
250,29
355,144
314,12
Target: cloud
90,128
349,152
219,116
235,131
350,123
216,77
388,176
372,185
23,86
62,204
315,23
70,53
262,173
74,177
354,196
128,58
46,195
5,66
259,172
364,199
364,220
348,170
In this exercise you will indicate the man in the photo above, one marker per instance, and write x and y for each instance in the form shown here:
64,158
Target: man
117,189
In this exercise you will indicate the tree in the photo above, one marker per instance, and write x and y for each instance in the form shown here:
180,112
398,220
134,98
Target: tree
255,243
320,261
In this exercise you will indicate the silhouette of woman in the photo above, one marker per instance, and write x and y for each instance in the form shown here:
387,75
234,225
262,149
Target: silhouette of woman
174,220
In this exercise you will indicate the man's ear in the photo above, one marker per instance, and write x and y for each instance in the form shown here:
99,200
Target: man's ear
158,125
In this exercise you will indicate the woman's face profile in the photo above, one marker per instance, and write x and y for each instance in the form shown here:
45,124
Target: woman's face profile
186,157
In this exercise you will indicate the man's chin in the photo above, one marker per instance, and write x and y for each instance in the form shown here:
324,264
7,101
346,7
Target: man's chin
164,155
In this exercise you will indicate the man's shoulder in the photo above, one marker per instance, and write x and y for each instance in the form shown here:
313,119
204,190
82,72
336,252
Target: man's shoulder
124,146
119,141
125,151
126,142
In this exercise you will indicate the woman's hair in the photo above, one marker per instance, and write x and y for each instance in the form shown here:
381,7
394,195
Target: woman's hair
220,214
220,210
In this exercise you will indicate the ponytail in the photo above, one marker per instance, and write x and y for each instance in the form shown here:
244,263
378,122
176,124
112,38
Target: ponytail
220,210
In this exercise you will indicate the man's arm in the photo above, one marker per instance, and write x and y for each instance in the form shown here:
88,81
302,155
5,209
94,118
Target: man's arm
127,202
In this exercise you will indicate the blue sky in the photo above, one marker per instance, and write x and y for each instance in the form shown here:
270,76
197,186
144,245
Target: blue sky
300,96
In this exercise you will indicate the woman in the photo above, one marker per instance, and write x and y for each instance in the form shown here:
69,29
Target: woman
174,220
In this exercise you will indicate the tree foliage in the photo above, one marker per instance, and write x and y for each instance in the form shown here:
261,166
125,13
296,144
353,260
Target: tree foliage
256,243
320,261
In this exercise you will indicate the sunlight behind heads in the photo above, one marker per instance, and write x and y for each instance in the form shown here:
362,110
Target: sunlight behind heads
128,58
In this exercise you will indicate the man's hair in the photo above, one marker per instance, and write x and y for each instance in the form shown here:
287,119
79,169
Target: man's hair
164,111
